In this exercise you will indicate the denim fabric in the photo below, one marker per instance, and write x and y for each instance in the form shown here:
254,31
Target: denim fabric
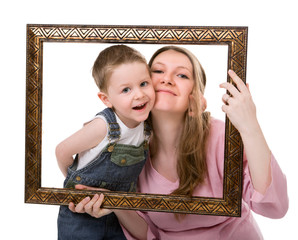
81,226
117,168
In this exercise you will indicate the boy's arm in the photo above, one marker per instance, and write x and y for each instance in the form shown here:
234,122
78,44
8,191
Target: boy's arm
86,138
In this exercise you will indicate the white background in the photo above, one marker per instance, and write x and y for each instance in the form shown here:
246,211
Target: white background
271,73
69,96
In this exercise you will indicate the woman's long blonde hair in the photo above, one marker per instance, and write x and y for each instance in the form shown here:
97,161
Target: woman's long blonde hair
191,164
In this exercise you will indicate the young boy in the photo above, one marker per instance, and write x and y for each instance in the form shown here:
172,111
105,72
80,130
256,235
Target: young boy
111,149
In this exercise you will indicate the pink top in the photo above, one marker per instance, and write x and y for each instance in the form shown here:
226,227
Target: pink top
274,204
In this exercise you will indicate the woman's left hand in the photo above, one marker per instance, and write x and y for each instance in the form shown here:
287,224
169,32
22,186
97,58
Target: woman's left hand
241,111
239,105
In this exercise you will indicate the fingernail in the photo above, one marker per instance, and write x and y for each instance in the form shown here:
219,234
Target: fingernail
87,198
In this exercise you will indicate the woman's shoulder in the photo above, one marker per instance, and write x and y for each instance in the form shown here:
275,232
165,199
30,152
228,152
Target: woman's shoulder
215,149
217,126
216,134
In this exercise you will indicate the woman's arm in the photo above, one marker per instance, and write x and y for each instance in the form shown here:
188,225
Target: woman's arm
133,223
130,220
241,111
86,138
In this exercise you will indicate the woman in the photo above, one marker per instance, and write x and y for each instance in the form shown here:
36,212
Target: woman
192,164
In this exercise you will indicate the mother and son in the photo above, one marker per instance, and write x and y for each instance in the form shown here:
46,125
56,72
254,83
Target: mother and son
156,137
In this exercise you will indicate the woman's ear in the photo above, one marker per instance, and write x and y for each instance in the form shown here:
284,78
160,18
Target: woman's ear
203,103
105,99
191,106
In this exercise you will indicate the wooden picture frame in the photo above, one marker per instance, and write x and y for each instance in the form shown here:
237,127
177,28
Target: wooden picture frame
236,40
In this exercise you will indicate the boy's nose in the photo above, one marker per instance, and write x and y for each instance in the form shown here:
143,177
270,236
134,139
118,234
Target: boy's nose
139,94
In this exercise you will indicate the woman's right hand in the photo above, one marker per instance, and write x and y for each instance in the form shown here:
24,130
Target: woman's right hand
90,206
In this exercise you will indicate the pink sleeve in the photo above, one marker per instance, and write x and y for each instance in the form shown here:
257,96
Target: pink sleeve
274,203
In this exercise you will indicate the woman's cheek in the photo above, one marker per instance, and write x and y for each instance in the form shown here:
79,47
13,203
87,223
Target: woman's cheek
154,81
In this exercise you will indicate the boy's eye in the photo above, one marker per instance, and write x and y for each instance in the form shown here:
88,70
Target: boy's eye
144,84
126,90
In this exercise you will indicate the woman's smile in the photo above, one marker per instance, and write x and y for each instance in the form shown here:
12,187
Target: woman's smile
166,91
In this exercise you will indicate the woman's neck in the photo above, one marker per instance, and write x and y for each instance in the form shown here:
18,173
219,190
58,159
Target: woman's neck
167,132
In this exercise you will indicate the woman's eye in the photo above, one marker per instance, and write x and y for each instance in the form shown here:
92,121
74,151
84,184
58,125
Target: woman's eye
157,71
126,90
183,76
144,84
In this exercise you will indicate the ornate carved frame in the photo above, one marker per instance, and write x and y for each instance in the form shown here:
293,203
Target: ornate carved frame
234,37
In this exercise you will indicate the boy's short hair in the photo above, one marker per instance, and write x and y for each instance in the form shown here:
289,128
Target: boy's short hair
109,59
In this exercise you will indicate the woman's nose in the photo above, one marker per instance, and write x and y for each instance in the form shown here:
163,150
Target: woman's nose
167,79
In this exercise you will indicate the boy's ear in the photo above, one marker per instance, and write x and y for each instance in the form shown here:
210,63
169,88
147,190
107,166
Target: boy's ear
105,99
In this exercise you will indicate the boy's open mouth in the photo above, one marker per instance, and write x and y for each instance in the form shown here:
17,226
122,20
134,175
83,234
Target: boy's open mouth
139,107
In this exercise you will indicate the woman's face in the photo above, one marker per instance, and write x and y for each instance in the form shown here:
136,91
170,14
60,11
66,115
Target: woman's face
172,77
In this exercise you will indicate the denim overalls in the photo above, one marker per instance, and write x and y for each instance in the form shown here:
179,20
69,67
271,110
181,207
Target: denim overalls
116,168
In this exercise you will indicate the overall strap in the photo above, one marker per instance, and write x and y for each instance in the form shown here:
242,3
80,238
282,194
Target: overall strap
113,126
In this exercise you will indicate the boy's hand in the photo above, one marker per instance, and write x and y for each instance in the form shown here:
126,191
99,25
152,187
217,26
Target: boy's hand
90,206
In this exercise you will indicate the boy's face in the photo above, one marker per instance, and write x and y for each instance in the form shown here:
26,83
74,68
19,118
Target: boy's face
130,92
